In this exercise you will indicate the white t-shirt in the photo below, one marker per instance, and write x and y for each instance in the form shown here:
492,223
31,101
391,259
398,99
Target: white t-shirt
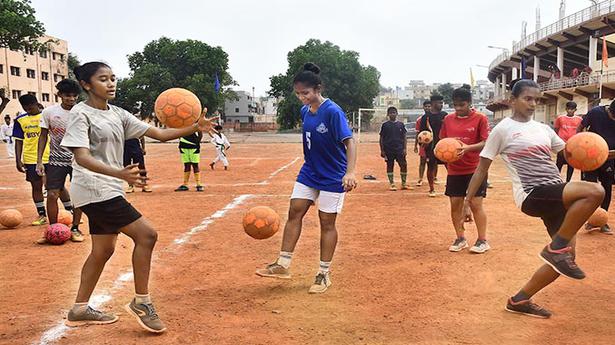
103,132
220,141
6,132
55,119
525,148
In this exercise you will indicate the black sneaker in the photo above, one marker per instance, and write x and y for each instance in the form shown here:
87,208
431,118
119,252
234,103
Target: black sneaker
199,188
562,262
182,188
528,308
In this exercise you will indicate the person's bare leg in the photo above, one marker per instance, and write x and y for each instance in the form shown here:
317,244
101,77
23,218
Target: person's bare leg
144,237
102,249
292,229
52,205
328,235
480,217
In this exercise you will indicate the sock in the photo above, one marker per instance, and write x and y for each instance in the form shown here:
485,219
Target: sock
197,177
390,176
142,299
520,296
324,267
68,205
403,178
186,177
40,208
80,307
284,259
559,242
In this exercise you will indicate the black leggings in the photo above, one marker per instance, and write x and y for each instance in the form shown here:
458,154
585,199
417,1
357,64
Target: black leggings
604,175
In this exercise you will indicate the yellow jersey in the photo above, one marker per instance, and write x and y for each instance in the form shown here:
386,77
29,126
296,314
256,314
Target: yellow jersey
27,128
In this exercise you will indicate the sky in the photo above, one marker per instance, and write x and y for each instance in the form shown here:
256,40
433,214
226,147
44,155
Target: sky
434,40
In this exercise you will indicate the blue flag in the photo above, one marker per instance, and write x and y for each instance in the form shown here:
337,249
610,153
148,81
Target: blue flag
217,84
523,67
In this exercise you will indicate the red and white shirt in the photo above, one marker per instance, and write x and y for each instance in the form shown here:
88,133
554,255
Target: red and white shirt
567,126
470,130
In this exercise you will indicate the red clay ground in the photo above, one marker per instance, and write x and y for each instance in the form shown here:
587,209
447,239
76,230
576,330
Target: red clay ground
394,282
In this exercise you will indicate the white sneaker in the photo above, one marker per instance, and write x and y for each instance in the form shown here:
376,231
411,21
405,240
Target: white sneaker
459,245
480,247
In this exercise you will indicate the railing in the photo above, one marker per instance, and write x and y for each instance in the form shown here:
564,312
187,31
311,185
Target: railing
573,20
582,80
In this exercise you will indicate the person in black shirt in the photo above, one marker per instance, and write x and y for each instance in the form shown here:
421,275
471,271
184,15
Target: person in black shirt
190,150
601,120
393,147
432,122
134,153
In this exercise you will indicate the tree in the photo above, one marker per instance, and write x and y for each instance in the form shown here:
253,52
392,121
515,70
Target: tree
167,63
446,91
72,61
347,82
19,28
408,103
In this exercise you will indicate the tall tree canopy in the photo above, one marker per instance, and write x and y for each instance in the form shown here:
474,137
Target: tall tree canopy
19,28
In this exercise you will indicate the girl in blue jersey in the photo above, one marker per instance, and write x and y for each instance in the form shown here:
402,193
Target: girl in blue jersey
328,173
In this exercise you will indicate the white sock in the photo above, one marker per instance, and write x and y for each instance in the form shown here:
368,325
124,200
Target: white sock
324,267
142,299
79,308
284,259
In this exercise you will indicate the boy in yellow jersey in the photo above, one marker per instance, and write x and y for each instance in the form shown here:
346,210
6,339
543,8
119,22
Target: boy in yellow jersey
190,150
26,131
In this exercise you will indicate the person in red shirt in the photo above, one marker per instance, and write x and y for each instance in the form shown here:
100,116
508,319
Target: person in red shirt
565,127
420,149
471,128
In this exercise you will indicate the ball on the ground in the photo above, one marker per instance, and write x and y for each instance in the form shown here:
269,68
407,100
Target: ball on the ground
447,150
65,217
424,137
261,222
600,217
177,108
586,151
57,233
11,218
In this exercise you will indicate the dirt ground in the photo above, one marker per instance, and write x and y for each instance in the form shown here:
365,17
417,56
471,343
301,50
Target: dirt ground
394,282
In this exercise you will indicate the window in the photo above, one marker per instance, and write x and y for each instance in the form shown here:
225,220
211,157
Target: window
56,98
45,97
16,94
1,68
43,54
31,73
57,56
32,93
45,75
57,77
16,71
29,51
236,110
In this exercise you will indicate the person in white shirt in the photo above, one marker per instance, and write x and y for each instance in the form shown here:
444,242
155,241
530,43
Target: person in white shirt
222,144
526,146
6,134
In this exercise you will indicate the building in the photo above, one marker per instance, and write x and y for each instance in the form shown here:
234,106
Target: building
242,109
565,58
33,72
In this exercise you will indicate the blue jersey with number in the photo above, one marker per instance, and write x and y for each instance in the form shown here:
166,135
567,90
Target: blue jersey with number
323,149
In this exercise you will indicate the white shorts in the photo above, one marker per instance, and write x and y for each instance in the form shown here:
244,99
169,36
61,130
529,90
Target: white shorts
328,202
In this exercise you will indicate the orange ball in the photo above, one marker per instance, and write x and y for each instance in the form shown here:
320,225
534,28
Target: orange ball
447,150
586,151
261,222
177,108
11,218
65,217
424,137
599,218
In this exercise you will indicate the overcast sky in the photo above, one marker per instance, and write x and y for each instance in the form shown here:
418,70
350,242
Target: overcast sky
433,40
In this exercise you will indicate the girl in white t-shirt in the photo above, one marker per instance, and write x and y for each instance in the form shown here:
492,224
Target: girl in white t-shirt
526,146
95,134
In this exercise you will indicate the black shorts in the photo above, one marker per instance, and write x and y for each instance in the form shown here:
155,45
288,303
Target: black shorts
133,156
605,174
109,216
56,176
457,185
31,175
400,157
546,202
430,156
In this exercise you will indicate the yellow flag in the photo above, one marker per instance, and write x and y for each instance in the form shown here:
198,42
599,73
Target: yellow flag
472,82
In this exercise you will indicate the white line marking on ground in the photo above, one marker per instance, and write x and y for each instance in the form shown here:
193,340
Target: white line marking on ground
268,179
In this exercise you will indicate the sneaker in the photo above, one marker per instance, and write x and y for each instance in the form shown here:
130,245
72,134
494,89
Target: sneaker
225,168
211,165
41,220
562,262
42,240
274,270
89,317
528,308
130,189
321,283
146,316
392,187
489,185
432,193
146,189
606,229
419,183
405,187
435,180
459,245
76,235
590,228
480,247
182,188
199,188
